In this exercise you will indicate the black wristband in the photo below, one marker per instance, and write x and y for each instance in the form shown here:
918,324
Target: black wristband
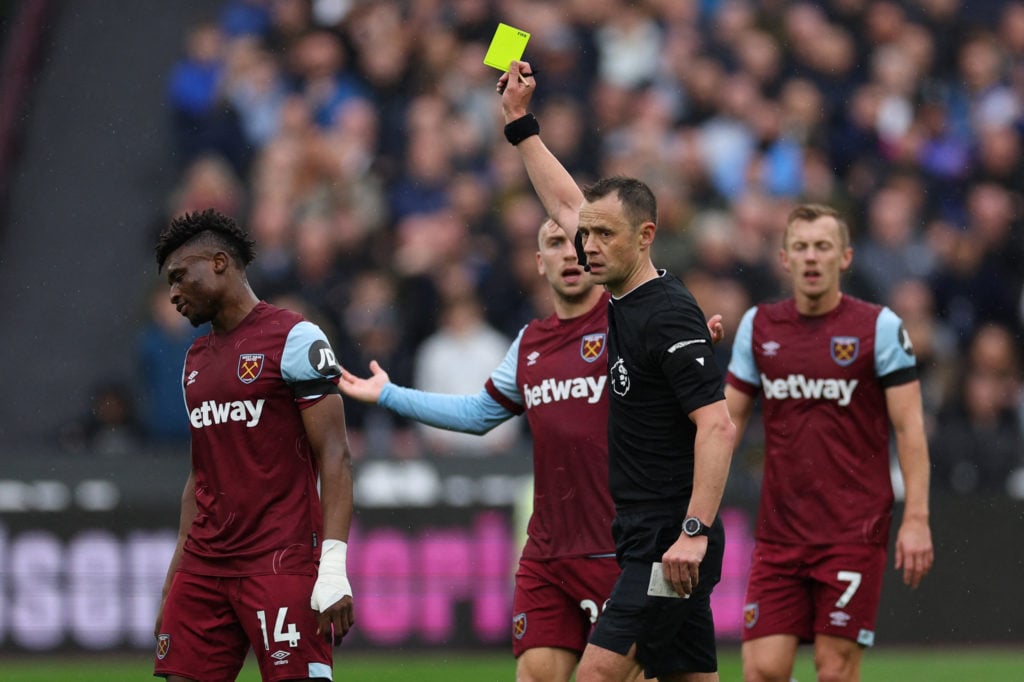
518,130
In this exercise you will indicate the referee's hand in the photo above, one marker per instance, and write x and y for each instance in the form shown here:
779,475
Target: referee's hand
681,563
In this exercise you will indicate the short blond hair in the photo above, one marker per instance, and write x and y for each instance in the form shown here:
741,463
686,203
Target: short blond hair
811,212
548,223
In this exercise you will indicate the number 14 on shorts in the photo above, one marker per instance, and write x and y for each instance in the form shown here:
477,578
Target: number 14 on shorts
291,635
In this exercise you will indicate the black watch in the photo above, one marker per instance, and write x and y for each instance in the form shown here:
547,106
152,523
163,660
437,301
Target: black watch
693,527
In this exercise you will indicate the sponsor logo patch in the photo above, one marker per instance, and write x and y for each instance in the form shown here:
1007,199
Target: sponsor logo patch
798,387
211,412
844,349
555,390
322,360
905,343
163,645
250,366
592,346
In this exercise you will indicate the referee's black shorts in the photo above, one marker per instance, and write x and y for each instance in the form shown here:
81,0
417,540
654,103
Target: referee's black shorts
672,635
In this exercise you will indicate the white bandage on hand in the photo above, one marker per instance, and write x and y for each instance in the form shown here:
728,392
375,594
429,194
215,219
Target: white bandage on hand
331,582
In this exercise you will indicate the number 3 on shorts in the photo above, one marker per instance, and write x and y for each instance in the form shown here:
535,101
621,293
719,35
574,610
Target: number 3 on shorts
852,577
292,635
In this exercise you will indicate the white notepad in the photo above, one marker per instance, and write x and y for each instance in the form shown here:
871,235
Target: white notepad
659,586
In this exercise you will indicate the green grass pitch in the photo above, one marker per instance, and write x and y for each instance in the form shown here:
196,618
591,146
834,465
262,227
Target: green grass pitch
880,665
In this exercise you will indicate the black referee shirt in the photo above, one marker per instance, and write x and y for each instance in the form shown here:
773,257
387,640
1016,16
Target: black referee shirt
661,368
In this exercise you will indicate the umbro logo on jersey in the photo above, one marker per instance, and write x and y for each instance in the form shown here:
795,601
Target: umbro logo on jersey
192,377
771,348
531,359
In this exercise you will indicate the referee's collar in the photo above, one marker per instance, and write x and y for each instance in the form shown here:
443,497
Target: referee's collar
661,273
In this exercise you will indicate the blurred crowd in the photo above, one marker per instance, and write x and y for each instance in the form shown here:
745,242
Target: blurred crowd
361,144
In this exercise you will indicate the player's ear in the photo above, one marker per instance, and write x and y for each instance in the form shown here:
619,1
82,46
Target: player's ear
221,261
647,231
846,259
784,259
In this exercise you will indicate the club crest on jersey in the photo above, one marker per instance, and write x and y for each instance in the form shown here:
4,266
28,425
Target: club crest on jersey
519,625
592,346
163,645
845,349
250,366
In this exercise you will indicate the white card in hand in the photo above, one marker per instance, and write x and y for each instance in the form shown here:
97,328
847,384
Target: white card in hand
659,585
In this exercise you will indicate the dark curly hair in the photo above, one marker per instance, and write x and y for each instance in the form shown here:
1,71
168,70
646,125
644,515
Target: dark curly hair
220,230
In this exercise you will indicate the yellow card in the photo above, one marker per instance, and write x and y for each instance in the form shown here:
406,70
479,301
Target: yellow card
506,47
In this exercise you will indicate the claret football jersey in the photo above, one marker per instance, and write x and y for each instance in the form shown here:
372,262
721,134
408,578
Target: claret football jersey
822,382
557,372
255,471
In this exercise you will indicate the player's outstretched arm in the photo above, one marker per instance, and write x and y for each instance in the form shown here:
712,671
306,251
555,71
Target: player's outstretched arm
468,413
555,187
364,390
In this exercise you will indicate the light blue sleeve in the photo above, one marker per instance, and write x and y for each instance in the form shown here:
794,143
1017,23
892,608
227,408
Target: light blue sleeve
308,356
475,414
504,377
893,350
741,364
